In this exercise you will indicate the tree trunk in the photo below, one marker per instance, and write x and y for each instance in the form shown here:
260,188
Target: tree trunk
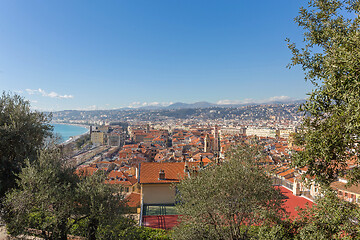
92,228
63,230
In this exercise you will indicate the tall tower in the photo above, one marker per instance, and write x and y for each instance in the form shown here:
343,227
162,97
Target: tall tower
207,143
216,146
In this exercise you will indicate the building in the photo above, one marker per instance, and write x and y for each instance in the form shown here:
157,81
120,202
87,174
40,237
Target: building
261,132
158,193
116,138
97,137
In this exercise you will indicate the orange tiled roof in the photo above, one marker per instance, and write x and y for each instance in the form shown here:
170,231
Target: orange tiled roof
290,171
86,171
149,172
119,177
205,160
342,186
133,200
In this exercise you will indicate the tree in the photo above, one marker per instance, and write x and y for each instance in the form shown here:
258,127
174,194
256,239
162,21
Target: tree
99,204
22,135
226,201
331,128
331,61
330,218
44,199
52,199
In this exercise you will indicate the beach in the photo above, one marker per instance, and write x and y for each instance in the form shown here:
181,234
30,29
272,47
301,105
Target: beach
70,132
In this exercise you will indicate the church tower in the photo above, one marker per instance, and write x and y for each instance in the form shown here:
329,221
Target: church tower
207,144
216,146
216,143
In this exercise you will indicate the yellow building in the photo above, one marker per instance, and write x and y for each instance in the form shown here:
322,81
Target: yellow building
156,181
97,138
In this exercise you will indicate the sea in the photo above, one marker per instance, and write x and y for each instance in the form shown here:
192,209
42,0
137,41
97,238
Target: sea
66,131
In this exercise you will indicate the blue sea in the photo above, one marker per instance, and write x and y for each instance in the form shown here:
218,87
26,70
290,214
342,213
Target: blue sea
67,131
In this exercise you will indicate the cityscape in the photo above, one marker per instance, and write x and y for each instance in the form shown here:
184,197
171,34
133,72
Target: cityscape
179,120
132,143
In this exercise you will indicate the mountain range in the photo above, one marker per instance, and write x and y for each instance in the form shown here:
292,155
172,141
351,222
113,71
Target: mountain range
180,105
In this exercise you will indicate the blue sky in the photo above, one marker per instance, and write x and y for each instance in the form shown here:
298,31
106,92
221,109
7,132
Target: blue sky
111,54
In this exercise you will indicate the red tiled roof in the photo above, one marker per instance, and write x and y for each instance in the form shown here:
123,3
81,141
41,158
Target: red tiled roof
204,160
149,172
283,174
342,186
133,200
291,202
120,177
86,171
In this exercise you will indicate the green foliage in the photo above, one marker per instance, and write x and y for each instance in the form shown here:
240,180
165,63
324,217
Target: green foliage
43,199
83,140
223,202
22,135
100,203
137,233
331,61
275,232
54,200
331,128
330,218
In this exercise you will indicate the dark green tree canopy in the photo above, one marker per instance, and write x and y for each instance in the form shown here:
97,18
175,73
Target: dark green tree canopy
331,61
44,199
22,135
224,202
54,200
329,218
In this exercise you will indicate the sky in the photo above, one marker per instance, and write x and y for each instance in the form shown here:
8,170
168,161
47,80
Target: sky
63,55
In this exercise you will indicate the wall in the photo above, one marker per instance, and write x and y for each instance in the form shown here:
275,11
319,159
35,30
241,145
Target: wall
158,194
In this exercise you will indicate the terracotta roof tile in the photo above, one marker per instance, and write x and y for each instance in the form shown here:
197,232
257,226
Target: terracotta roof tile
133,200
86,171
342,186
149,172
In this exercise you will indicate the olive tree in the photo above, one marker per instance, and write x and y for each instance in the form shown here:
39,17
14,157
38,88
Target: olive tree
22,135
330,218
44,199
330,58
100,204
330,132
226,201
54,201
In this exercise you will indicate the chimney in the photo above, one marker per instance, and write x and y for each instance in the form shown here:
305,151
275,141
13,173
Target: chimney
201,162
186,167
161,175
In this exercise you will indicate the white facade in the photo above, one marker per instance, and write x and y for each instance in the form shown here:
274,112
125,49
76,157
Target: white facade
261,132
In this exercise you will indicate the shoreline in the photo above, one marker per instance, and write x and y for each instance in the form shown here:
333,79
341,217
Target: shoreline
73,124
75,137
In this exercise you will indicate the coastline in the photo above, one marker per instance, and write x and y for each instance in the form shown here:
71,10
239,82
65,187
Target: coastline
73,124
74,137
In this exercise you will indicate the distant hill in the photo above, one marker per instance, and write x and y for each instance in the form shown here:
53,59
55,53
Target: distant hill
180,105
198,110
196,105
